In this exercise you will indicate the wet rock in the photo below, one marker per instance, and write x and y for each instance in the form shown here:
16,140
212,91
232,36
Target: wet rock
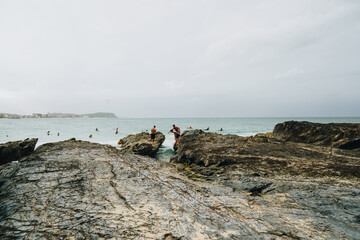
318,178
82,190
266,157
175,147
11,151
188,135
141,143
342,135
202,148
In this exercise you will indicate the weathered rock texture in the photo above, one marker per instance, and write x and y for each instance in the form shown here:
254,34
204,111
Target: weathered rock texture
141,143
11,151
341,135
81,190
322,179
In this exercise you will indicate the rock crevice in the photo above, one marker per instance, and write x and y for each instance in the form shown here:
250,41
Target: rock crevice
91,191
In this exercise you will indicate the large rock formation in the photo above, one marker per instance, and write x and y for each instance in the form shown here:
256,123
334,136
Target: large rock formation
11,151
253,154
141,143
342,135
82,190
323,179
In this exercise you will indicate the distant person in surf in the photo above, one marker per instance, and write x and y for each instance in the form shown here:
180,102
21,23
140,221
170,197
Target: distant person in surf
221,129
48,133
96,129
207,129
58,134
153,134
176,131
117,131
90,136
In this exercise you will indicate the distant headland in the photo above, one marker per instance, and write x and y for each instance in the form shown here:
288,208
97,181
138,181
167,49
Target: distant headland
59,115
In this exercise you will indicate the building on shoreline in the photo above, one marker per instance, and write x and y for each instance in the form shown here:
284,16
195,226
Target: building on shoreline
58,115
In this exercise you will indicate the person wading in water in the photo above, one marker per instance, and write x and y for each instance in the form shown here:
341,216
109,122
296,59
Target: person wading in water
176,131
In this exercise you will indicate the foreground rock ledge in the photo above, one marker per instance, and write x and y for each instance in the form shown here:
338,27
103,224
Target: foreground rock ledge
82,190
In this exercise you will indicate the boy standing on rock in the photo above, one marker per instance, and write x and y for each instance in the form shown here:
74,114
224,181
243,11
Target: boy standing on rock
153,133
176,131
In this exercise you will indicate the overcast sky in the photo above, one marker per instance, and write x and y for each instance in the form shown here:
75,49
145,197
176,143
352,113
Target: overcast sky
196,58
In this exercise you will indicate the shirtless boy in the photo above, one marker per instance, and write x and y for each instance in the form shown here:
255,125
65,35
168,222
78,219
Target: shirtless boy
153,133
176,131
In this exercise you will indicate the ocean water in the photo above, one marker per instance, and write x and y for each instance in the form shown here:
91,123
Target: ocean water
81,128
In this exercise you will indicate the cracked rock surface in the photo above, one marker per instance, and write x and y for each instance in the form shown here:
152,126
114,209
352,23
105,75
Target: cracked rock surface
82,190
322,179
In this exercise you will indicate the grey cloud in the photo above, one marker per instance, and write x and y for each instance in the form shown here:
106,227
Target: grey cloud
181,58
